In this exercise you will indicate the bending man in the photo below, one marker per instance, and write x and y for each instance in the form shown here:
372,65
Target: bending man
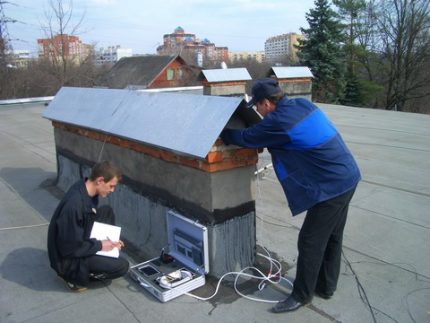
318,174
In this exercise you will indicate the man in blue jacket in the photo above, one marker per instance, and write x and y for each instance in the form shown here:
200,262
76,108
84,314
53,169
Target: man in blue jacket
318,174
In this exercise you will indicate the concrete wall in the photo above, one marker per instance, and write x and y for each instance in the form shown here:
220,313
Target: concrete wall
223,201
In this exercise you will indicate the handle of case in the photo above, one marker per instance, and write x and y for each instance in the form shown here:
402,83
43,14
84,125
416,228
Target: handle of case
142,283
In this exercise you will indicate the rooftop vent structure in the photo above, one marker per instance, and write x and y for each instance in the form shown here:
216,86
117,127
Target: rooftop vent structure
167,146
296,81
225,81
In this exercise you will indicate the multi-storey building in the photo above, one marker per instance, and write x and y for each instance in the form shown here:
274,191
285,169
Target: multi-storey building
180,42
112,54
20,58
243,56
281,47
62,45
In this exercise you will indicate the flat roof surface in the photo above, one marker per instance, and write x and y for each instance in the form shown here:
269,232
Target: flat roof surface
386,264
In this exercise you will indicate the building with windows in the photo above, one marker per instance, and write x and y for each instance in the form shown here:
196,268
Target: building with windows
243,56
281,48
112,54
62,45
20,58
195,50
151,72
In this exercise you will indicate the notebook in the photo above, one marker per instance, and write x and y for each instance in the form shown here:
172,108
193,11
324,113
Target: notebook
103,231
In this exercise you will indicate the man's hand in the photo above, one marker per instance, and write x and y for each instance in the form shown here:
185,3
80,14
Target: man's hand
108,245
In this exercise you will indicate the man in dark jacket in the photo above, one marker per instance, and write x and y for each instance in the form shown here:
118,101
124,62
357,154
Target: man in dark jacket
318,174
72,253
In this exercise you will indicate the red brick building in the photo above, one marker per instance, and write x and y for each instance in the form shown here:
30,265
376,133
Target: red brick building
198,51
69,46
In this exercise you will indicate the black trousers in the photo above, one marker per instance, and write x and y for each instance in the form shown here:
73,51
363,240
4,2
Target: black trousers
320,248
106,267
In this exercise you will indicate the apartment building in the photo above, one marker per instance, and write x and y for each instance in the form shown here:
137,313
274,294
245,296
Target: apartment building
62,45
189,46
281,47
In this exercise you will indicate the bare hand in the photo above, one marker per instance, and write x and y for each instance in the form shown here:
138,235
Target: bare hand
108,245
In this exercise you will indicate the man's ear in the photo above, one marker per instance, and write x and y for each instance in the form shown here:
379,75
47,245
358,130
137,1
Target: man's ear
99,180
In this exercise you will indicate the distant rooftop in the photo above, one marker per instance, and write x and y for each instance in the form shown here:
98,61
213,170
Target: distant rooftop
284,72
227,75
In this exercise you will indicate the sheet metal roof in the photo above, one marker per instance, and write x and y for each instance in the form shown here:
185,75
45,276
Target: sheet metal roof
285,72
183,123
228,74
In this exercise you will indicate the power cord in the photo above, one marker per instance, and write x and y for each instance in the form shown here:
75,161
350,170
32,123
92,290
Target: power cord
271,277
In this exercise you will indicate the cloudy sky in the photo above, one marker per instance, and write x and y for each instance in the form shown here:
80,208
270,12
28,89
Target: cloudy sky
141,24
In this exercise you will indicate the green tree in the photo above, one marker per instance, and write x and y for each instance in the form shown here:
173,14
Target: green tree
350,11
321,51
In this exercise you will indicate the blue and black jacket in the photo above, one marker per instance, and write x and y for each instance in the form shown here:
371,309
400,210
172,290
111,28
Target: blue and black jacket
310,159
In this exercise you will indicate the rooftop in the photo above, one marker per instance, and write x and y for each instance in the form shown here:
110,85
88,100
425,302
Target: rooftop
386,264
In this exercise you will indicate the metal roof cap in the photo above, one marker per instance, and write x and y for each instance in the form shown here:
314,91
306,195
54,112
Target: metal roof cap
183,123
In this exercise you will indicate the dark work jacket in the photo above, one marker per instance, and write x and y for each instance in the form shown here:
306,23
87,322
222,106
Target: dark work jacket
68,235
309,157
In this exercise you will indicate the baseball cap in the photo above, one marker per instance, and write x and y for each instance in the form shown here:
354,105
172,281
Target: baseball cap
262,89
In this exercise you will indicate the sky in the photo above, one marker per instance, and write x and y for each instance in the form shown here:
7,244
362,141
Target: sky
241,25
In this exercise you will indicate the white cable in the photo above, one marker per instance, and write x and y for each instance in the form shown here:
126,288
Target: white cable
24,226
274,264
263,277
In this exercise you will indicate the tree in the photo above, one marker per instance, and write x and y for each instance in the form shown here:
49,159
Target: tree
6,68
321,51
404,47
60,24
351,10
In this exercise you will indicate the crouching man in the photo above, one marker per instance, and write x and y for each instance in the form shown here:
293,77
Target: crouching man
72,253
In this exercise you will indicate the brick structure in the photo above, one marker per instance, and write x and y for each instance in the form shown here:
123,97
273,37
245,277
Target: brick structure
71,47
168,162
295,81
225,82
186,44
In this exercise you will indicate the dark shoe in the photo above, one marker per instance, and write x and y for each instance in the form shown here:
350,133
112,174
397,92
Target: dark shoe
97,277
325,295
76,288
288,305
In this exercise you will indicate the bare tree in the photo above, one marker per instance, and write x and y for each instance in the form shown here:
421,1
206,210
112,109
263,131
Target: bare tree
60,24
404,41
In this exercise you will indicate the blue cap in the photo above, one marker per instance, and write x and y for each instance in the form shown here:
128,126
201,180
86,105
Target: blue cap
263,89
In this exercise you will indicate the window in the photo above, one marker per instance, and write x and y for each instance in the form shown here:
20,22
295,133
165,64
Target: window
170,74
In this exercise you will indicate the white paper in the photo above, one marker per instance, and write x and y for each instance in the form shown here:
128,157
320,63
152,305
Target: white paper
103,231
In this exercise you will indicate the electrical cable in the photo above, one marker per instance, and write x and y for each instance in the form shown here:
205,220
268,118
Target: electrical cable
24,226
361,290
264,278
